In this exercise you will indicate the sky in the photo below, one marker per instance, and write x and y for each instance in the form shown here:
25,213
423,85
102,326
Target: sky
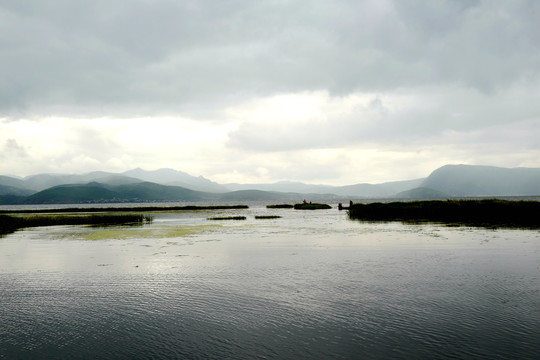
320,91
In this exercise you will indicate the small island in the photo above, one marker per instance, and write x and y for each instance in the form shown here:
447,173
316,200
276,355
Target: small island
311,206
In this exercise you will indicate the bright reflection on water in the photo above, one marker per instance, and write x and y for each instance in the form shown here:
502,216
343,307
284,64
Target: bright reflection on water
311,284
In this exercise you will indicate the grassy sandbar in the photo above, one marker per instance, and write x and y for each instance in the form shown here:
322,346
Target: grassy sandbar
227,218
314,206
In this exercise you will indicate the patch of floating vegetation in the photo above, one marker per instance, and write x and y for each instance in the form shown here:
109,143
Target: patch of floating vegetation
309,206
12,223
161,232
105,234
127,209
485,213
280,206
267,217
227,218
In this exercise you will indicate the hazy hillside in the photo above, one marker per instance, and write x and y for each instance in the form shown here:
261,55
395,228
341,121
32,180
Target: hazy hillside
358,190
71,194
421,193
146,191
283,186
96,192
470,180
387,189
152,191
171,177
176,178
16,191
447,181
11,182
257,195
44,181
395,187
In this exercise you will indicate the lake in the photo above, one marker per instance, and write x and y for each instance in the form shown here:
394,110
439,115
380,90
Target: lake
308,285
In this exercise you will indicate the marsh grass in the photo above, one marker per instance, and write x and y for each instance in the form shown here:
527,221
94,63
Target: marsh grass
313,206
145,233
10,224
227,218
280,206
267,217
486,213
126,209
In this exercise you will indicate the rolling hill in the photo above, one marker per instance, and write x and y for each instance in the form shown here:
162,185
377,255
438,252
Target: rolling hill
97,192
364,190
176,178
474,180
445,182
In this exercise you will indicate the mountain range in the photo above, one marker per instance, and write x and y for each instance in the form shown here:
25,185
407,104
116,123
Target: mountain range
448,181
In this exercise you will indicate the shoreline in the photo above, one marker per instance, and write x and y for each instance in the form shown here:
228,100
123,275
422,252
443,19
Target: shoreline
123,209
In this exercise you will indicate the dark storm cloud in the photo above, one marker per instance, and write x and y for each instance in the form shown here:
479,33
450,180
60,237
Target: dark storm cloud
167,57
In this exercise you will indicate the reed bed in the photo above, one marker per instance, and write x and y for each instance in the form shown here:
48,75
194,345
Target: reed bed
489,212
227,218
10,224
267,217
126,209
280,206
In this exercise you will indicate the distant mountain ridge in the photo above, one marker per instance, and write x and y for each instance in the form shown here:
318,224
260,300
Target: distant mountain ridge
41,182
387,189
449,181
477,180
177,178
139,192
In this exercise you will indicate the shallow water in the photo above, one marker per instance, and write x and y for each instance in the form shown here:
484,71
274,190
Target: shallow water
311,284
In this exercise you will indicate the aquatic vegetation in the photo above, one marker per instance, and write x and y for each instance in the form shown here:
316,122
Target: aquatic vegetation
280,206
12,223
127,209
267,217
8,224
309,206
227,218
489,212
125,233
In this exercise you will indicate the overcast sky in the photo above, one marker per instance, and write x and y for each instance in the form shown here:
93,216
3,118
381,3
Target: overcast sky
333,92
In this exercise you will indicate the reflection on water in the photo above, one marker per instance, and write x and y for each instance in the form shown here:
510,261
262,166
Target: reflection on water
307,285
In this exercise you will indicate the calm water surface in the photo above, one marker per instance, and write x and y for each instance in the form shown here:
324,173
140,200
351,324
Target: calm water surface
309,285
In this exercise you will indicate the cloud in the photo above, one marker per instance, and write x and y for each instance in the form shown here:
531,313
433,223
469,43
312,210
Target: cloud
321,91
402,118
167,57
13,149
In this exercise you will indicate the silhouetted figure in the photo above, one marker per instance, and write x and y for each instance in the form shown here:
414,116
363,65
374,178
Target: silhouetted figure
340,207
350,204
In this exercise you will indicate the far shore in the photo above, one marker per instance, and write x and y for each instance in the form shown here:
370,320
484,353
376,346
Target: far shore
123,209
